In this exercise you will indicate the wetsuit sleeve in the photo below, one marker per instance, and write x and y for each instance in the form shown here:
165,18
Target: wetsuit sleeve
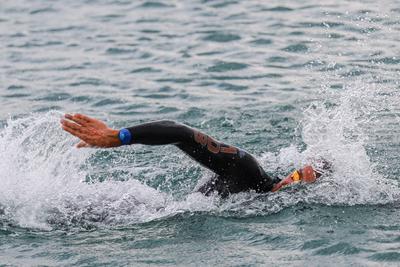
236,166
163,132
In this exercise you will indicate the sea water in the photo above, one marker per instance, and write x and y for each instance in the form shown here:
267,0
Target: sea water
289,81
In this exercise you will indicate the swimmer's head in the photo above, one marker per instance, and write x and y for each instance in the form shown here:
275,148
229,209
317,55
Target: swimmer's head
307,174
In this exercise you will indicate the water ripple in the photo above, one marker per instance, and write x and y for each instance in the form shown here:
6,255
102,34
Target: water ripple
227,66
221,37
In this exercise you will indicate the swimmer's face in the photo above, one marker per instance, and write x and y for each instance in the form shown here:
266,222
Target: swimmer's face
308,174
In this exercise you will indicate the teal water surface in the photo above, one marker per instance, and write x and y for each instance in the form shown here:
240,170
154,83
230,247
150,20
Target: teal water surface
289,81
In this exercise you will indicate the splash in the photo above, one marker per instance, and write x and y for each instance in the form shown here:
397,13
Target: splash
48,184
338,128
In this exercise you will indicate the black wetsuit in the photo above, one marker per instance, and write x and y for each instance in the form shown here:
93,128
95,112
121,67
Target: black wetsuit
236,170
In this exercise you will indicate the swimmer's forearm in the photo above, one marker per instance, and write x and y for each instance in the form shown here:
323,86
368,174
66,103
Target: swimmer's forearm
160,133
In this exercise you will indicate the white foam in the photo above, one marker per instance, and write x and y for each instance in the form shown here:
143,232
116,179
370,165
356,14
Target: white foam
337,128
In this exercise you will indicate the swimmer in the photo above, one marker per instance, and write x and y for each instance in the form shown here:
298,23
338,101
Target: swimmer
235,169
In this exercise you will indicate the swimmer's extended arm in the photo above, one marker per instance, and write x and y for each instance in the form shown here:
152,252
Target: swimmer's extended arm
220,158
95,133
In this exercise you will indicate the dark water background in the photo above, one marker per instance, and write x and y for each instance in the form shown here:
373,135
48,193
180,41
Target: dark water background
287,80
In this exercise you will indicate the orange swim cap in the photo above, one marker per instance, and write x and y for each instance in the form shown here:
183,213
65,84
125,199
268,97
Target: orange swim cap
308,174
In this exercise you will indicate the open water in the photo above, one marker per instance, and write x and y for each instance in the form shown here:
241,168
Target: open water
289,81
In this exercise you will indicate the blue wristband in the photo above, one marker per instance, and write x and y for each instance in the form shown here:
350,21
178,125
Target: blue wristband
125,136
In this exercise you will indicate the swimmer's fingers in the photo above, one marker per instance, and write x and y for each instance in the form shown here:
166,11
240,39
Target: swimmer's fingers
82,144
68,116
77,119
90,121
76,130
72,131
73,126
84,118
87,139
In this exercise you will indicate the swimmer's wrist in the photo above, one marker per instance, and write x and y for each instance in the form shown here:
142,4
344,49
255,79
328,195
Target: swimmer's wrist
124,137
112,138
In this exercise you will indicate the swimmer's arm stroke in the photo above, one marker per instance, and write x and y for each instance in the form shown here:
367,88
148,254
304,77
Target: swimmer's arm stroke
95,133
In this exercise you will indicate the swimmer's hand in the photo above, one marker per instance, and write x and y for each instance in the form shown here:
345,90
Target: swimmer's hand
92,132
